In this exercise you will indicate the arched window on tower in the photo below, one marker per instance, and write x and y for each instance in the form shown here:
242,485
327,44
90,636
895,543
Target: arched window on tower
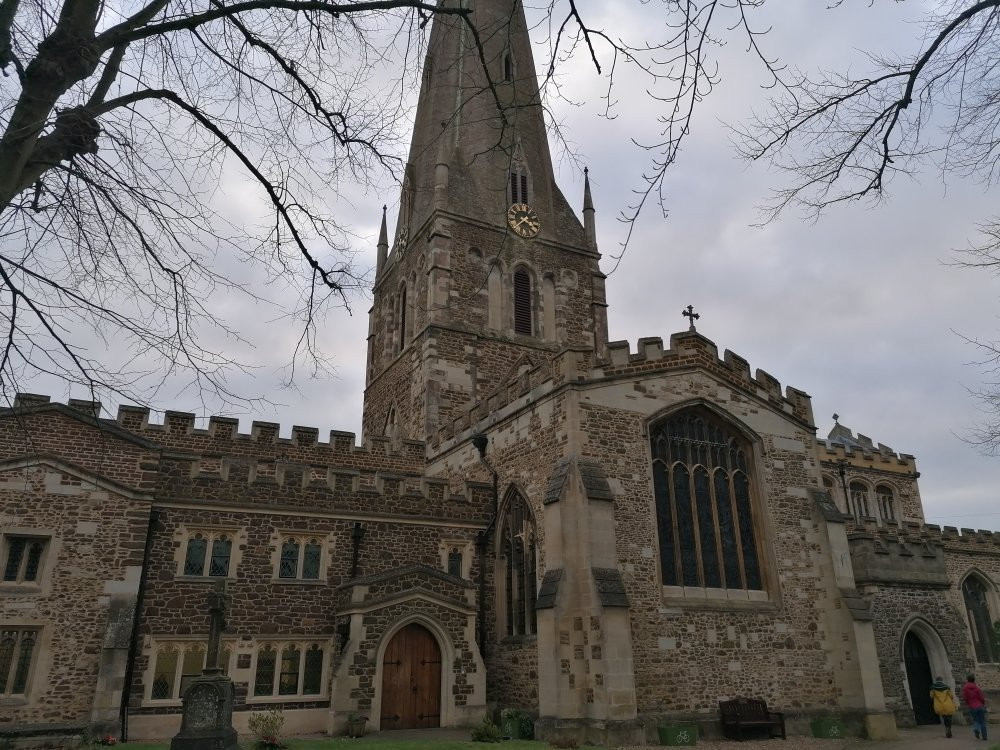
981,621
523,298
885,500
517,568
401,316
508,67
859,500
704,492
520,181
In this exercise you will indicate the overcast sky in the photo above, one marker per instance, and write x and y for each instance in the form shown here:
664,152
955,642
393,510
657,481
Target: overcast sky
860,309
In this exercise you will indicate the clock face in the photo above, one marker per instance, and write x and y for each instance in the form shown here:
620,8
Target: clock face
523,220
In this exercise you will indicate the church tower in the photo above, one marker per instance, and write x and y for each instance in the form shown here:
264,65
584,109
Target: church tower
490,271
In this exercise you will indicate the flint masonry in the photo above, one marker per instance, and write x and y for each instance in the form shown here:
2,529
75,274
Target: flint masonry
665,531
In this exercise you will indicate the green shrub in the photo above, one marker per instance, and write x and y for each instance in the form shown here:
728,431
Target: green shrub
265,726
487,731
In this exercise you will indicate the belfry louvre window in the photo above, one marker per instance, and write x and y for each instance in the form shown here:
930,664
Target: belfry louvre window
517,568
981,623
17,651
522,303
518,185
704,513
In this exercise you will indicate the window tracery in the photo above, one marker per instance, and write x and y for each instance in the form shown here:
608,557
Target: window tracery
208,553
291,668
885,500
300,558
859,499
704,504
517,577
981,621
176,663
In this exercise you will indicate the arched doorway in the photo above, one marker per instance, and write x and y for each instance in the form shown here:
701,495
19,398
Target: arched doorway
919,679
411,680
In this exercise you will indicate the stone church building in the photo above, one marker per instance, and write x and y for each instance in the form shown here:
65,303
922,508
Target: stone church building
599,534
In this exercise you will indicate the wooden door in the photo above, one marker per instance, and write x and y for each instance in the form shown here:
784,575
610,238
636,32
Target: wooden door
411,680
918,676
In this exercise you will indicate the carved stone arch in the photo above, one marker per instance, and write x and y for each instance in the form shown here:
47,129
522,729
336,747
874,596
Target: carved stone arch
937,659
448,656
707,505
981,605
392,429
516,576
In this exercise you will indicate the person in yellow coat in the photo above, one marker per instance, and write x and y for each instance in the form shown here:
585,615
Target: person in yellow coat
944,703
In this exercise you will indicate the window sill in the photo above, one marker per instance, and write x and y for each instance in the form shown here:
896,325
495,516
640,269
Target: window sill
164,703
204,579
709,598
258,699
14,700
301,581
20,589
518,640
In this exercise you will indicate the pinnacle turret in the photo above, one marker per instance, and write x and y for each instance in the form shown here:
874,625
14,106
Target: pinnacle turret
589,223
383,244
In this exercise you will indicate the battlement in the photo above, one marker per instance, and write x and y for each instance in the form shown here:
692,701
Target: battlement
222,435
831,451
916,533
577,365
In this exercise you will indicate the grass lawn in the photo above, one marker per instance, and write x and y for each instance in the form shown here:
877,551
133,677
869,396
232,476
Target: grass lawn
376,743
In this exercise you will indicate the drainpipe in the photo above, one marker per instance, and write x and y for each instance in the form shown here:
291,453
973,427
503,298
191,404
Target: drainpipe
133,644
480,441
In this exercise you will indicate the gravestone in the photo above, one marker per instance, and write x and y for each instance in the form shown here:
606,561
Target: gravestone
207,722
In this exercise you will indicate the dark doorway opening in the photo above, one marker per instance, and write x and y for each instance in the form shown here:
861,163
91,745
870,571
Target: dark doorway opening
411,680
919,678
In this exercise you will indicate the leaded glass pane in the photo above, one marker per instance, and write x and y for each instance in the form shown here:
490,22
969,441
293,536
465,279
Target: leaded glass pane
312,676
980,620
194,560
263,683
164,673
289,565
727,531
706,529
8,639
15,553
23,667
748,544
221,549
455,563
31,566
310,560
685,525
288,680
664,524
192,664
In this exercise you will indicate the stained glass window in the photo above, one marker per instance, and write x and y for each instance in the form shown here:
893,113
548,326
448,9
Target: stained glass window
704,507
17,649
517,556
977,608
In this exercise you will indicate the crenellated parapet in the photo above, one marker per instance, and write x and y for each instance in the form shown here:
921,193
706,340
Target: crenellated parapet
864,454
579,365
222,438
913,553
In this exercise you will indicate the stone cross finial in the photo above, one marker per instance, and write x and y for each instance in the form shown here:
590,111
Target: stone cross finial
692,315
217,623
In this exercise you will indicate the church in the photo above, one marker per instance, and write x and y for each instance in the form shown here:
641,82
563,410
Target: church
605,536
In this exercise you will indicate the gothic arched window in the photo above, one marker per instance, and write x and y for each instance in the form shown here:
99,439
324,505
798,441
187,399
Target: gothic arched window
859,499
401,316
704,507
517,566
885,501
981,624
520,180
522,303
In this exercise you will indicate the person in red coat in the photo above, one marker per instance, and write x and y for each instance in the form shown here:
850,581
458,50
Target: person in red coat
972,696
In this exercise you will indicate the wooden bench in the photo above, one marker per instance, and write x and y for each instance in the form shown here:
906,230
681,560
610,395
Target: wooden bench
741,714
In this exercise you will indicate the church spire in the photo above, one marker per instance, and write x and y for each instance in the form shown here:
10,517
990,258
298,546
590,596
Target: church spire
383,245
479,141
589,223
